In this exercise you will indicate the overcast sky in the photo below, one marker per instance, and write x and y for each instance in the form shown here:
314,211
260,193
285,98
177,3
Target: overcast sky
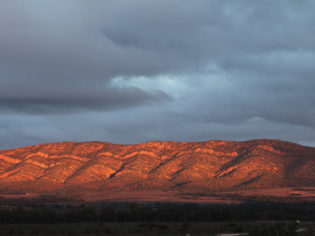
130,71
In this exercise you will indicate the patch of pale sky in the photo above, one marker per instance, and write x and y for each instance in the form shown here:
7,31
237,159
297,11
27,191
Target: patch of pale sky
177,86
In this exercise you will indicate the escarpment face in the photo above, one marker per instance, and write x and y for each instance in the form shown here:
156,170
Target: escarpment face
181,166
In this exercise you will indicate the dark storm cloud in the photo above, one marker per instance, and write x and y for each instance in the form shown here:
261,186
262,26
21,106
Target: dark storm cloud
69,101
179,69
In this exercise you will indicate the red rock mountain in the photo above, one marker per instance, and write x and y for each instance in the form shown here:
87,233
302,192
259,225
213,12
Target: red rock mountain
195,167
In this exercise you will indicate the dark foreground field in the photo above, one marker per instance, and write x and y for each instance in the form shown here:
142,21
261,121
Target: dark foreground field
163,228
230,213
150,218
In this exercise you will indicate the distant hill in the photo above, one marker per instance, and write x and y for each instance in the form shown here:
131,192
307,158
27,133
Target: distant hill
187,167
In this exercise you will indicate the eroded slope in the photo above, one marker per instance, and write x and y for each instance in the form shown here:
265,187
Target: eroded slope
187,167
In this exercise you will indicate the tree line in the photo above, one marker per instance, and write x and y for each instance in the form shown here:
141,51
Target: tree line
129,212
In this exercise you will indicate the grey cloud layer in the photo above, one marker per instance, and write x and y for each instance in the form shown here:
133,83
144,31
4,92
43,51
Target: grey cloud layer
189,70
69,100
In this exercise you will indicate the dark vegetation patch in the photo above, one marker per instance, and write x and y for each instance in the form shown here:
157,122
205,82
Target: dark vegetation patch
159,212
270,228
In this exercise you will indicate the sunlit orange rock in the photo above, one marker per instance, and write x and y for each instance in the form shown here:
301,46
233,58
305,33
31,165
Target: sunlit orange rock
192,167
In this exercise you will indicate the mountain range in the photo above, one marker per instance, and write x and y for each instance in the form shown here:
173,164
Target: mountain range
186,167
